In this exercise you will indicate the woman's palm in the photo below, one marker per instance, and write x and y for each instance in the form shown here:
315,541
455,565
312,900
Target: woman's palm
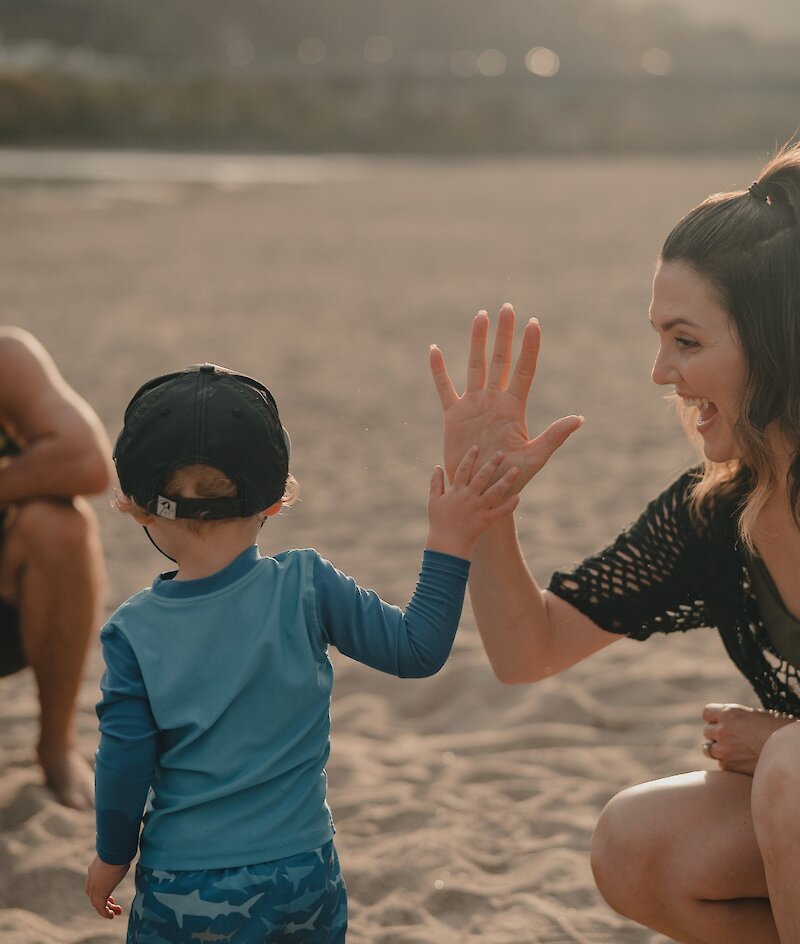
491,411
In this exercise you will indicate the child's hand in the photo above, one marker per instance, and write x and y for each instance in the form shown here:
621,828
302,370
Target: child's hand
457,517
101,881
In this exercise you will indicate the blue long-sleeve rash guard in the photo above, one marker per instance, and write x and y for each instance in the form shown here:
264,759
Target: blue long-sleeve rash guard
216,701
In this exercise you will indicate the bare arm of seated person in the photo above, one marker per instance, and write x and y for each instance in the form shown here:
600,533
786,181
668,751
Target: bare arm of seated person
64,450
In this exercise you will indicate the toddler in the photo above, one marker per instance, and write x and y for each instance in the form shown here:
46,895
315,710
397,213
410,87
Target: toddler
214,718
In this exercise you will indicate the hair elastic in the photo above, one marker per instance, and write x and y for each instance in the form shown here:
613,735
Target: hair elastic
757,190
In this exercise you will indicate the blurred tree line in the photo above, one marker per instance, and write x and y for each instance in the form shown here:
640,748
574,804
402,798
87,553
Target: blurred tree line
389,75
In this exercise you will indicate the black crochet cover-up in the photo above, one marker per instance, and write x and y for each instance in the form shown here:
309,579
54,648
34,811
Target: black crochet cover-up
665,574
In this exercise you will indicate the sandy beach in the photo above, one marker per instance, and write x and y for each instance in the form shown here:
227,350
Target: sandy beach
464,808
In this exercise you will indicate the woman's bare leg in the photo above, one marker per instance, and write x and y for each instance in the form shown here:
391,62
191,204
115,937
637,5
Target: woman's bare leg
680,856
775,790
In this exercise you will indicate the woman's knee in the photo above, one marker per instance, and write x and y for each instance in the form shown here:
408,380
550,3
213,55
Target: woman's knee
776,783
624,852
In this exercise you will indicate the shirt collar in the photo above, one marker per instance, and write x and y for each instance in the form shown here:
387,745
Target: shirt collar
166,586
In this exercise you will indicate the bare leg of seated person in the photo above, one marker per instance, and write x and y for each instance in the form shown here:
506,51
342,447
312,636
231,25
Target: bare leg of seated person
680,856
51,569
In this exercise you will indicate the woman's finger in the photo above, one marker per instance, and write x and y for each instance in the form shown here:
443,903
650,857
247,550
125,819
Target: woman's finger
525,368
476,365
500,364
712,712
539,450
441,379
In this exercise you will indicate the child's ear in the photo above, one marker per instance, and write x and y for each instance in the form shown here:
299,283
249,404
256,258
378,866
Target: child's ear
141,517
274,509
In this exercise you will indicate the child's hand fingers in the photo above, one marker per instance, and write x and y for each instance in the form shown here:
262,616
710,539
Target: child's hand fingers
464,471
487,472
102,905
112,906
495,514
497,492
436,489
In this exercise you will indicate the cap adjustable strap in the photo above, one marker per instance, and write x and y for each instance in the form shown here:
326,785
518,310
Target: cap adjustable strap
205,509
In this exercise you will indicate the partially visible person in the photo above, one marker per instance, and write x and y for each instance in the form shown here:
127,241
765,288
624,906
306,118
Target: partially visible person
53,450
708,857
215,716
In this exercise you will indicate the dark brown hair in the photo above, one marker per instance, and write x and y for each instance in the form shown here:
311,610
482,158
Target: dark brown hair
747,245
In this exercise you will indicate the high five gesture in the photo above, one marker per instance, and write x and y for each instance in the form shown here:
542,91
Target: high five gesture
491,411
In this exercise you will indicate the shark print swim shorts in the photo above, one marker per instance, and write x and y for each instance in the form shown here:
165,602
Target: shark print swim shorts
298,900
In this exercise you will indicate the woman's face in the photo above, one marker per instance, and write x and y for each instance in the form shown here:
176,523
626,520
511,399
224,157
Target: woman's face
699,355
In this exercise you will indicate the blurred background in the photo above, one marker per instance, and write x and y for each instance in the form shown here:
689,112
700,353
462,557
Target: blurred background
407,76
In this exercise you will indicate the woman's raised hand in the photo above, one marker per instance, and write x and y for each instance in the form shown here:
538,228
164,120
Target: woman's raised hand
491,411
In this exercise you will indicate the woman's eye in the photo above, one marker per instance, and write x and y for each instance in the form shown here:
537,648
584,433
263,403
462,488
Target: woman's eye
686,343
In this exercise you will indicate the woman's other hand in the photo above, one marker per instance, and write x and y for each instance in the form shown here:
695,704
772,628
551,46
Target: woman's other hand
491,411
734,735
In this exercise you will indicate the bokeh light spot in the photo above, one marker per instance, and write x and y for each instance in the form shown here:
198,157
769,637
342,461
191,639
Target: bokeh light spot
492,63
542,61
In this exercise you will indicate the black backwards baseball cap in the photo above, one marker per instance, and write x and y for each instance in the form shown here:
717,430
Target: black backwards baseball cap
208,415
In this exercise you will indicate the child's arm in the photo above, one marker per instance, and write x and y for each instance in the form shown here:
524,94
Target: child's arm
125,763
416,643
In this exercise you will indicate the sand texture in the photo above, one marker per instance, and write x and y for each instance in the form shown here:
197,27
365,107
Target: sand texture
464,808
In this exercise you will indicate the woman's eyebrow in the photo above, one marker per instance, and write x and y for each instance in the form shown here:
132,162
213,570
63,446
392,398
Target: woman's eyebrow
674,322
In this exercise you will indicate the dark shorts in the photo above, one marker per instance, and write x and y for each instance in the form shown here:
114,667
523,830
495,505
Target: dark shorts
12,658
298,900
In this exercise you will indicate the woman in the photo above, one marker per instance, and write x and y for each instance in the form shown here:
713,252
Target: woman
706,857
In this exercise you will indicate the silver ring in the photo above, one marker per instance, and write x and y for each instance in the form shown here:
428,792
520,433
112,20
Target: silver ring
707,745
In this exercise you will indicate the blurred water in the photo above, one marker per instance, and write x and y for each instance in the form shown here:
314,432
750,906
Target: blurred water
228,171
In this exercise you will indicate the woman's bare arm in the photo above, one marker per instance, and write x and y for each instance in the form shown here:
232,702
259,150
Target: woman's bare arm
527,632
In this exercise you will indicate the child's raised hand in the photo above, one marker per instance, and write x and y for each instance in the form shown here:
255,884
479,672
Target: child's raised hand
458,516
100,882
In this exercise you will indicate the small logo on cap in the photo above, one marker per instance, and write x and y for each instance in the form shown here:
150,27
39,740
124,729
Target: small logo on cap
166,508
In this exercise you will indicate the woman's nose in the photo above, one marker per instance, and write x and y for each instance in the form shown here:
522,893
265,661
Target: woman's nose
663,371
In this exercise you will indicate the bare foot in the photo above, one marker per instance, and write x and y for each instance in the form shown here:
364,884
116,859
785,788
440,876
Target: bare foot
70,777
